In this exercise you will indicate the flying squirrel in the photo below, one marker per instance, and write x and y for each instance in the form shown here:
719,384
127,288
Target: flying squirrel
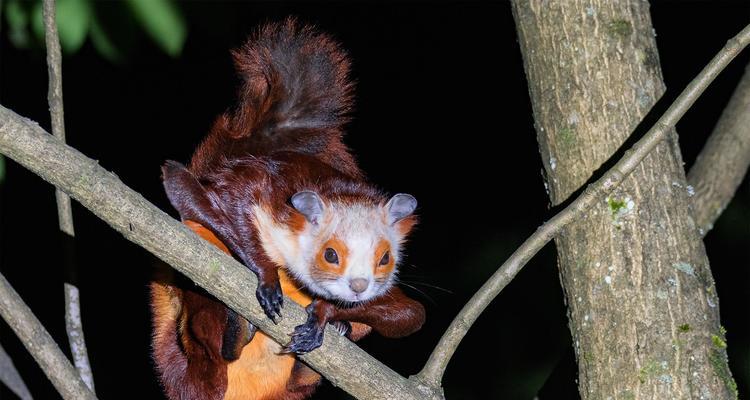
273,185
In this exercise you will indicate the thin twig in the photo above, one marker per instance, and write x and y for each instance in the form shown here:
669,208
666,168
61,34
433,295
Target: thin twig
40,344
73,324
433,371
11,378
100,191
721,165
75,334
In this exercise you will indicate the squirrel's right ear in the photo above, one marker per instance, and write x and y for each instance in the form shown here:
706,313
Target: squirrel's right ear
400,206
309,204
184,191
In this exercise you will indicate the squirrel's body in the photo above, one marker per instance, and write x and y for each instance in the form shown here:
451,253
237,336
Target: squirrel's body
273,185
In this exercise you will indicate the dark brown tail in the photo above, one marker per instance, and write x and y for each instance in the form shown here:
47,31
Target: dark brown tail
295,96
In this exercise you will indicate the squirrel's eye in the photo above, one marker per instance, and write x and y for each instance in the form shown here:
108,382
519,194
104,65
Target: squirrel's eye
331,256
386,258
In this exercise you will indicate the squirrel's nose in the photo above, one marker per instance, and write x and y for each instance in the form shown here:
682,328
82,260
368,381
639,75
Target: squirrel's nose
359,285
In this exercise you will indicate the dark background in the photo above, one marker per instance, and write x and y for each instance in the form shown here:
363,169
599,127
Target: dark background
442,112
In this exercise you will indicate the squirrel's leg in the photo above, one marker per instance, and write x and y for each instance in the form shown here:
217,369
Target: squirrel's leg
189,197
392,315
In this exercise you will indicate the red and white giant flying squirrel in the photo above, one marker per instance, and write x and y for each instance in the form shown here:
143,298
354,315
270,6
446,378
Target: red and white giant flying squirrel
274,186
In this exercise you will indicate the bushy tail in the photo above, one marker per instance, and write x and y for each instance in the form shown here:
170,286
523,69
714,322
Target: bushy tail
294,77
296,95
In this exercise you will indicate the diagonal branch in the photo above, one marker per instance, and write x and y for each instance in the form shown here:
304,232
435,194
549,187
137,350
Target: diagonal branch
11,378
723,161
73,325
433,370
41,345
339,360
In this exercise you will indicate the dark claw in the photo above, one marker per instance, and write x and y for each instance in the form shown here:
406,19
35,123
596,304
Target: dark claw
271,299
306,337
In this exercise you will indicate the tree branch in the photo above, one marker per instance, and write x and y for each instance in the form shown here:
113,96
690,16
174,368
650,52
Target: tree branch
722,163
338,359
55,100
73,324
11,378
41,345
434,369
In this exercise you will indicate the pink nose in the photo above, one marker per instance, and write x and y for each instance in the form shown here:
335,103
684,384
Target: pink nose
359,285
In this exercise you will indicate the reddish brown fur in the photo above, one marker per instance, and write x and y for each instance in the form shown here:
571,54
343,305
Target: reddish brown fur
284,136
266,105
406,225
392,315
188,369
188,335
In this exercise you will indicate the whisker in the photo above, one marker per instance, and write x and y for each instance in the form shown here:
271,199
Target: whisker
430,299
428,285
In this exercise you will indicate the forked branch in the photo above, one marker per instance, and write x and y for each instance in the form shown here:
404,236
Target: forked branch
41,345
338,359
433,371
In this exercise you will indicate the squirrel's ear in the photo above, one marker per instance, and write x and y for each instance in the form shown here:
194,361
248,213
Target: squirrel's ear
184,191
400,206
308,203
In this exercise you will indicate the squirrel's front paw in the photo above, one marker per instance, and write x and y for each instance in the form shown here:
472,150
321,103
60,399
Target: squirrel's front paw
271,299
344,328
306,337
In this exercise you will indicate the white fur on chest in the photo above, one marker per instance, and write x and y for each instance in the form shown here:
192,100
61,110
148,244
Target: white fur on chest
279,242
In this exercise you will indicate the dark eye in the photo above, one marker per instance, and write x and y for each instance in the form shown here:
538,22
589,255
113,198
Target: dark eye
386,258
331,256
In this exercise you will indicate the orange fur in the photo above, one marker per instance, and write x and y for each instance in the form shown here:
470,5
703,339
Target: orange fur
297,222
261,372
167,306
406,225
343,254
380,250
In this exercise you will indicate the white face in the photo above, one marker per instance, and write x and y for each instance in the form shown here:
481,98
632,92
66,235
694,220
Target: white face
351,255
343,251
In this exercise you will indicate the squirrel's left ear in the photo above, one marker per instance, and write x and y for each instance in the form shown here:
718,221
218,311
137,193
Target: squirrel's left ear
309,204
400,206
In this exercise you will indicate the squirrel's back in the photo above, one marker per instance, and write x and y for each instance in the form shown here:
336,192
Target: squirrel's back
295,96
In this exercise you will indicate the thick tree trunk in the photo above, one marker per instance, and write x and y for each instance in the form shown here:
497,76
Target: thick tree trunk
643,308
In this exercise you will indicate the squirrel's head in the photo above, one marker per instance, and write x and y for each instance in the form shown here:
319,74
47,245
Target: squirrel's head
349,250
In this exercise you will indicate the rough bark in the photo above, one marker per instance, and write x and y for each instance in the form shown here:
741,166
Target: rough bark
40,344
73,324
11,378
338,359
722,164
643,309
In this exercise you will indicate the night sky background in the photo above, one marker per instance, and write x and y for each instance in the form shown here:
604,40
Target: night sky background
442,113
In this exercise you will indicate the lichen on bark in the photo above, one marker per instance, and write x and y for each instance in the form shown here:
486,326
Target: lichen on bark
641,320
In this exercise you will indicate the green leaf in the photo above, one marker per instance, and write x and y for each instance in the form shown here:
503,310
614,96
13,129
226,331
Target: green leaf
16,14
18,21
73,21
163,22
73,18
102,43
37,21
